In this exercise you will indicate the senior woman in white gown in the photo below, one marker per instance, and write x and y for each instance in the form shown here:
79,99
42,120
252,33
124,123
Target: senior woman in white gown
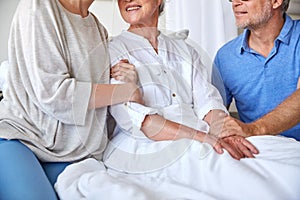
179,100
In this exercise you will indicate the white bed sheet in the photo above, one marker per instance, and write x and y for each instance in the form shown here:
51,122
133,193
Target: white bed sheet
195,173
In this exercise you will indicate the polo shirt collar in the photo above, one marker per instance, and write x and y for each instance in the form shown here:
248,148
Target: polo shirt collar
283,37
285,34
244,45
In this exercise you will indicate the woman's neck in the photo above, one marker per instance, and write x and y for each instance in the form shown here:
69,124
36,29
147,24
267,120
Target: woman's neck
79,7
150,33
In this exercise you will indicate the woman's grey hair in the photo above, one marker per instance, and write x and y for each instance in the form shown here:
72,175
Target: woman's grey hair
162,7
285,5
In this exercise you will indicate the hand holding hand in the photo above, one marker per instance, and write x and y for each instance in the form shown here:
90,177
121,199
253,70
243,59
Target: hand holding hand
241,145
232,126
237,146
125,72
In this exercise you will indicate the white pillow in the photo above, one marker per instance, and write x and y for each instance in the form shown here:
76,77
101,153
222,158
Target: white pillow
182,34
3,72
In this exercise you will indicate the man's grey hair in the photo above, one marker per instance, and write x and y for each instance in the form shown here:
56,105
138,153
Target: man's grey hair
285,5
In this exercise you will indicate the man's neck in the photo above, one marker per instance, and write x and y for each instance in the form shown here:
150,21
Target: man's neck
262,39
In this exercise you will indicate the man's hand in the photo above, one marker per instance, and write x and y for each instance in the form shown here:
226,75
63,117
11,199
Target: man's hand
232,126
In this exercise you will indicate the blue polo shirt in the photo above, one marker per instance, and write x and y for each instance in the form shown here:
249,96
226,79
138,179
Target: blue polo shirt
259,84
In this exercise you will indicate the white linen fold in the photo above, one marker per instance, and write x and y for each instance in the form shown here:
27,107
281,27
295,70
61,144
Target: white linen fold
198,173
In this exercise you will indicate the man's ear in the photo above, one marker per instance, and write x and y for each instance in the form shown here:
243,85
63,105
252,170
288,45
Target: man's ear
277,3
160,2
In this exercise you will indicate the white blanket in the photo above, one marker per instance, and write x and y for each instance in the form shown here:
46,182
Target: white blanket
194,171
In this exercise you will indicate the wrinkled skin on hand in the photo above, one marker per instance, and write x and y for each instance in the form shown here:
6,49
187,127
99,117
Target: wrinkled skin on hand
125,72
237,146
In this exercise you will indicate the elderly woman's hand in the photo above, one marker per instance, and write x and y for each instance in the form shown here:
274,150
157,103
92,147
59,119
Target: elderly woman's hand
125,72
241,145
237,146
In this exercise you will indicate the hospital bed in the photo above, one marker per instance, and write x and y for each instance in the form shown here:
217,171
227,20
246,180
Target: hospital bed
185,169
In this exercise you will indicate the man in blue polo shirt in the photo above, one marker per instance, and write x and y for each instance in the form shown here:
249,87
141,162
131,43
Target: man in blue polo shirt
261,67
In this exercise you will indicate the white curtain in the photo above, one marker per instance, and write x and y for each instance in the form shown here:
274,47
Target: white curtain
210,22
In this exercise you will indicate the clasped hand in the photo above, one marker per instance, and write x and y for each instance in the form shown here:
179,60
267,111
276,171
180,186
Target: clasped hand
228,134
126,72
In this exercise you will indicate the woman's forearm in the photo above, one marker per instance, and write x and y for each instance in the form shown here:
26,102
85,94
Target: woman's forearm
110,94
158,128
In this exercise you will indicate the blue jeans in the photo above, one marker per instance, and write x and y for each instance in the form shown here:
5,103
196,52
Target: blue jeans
23,176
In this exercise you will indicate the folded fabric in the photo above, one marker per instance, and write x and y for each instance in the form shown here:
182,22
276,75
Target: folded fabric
145,171
3,72
182,34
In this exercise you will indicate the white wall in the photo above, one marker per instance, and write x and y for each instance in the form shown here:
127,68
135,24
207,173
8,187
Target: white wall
7,9
294,9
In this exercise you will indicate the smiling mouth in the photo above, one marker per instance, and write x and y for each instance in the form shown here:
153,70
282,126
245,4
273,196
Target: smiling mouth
133,8
240,13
